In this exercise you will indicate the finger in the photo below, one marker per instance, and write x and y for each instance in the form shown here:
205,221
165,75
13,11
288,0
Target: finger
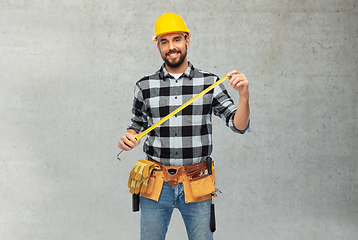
129,143
124,146
235,79
236,84
125,143
239,83
234,72
131,139
121,145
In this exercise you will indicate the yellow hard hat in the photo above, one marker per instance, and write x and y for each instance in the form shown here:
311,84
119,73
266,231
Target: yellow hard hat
169,23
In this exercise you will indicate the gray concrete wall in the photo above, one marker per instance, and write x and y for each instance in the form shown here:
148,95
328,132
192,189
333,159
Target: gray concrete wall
67,71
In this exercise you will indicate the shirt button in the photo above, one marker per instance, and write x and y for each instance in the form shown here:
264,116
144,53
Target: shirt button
176,97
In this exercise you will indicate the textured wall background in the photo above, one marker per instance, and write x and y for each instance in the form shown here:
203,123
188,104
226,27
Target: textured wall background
67,72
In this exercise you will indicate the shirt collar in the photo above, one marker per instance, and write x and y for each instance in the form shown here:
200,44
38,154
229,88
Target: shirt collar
189,72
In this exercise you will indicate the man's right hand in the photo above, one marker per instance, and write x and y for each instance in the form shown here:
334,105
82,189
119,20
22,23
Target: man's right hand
127,141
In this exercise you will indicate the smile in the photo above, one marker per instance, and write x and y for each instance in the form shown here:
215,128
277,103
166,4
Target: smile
173,55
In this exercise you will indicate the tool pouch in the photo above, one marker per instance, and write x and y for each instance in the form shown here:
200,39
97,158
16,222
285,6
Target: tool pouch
155,185
198,184
202,186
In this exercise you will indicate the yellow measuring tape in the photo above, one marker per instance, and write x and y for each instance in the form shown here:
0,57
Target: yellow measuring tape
142,134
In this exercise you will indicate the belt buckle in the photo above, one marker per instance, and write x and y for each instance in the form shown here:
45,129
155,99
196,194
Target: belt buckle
173,176
172,171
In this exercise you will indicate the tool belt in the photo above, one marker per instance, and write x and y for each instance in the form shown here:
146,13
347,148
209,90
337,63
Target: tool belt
198,183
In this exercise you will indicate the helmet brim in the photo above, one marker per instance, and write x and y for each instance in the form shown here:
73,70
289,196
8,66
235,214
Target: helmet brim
155,37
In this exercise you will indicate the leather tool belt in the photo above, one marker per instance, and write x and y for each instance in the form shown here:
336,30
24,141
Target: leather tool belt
197,182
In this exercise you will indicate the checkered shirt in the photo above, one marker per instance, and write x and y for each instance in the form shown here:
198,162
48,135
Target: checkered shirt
185,138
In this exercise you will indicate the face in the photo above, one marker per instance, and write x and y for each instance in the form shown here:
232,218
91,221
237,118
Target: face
173,49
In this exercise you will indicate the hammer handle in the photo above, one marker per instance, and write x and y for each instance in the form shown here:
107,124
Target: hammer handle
212,218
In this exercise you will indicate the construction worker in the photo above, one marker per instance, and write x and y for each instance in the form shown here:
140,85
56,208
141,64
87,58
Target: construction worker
185,140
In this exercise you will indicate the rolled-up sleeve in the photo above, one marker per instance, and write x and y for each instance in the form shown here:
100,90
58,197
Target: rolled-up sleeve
224,107
139,120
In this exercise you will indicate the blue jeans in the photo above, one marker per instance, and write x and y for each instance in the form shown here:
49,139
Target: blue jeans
155,216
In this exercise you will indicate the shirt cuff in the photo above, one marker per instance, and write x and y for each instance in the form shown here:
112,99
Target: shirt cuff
136,127
233,128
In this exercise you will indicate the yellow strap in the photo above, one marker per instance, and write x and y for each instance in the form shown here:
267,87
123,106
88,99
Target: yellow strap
142,134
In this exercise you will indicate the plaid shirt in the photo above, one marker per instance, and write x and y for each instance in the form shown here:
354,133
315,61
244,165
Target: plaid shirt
185,138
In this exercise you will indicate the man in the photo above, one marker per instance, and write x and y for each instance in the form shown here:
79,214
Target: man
186,138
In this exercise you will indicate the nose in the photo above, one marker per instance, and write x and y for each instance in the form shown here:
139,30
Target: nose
171,45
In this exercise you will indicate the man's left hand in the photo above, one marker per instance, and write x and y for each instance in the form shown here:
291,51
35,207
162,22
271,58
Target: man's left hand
239,82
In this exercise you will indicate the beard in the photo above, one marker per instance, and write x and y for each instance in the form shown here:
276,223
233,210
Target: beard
175,63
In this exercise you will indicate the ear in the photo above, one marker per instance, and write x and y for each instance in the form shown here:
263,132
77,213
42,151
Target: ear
187,42
158,46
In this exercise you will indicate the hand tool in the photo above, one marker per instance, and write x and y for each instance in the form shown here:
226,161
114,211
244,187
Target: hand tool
209,165
135,202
